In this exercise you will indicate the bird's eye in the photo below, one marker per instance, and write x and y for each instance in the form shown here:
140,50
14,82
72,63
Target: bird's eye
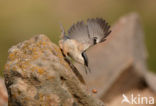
68,54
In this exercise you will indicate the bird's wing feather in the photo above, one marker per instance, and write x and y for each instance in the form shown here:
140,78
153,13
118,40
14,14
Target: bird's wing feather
95,28
98,28
79,32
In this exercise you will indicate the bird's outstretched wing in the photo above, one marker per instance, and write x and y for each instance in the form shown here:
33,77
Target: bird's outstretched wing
79,32
95,31
98,29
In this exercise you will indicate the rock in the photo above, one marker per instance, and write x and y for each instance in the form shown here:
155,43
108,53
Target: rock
36,74
118,64
151,80
3,94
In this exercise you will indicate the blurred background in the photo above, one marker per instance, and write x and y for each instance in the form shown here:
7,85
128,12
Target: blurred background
22,19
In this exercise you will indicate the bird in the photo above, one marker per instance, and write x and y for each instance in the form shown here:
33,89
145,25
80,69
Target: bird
80,37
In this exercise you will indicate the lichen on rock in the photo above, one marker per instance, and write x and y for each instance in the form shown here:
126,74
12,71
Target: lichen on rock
36,74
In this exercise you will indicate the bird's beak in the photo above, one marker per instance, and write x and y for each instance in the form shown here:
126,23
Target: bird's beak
85,58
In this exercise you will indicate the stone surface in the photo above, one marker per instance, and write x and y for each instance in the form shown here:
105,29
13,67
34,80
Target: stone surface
36,74
151,80
3,93
119,63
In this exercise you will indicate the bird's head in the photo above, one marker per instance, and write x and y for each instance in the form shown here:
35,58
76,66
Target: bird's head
73,49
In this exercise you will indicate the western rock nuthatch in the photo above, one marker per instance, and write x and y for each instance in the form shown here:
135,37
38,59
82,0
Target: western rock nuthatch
82,36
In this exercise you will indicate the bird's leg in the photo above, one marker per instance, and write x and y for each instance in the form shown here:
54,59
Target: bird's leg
87,69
